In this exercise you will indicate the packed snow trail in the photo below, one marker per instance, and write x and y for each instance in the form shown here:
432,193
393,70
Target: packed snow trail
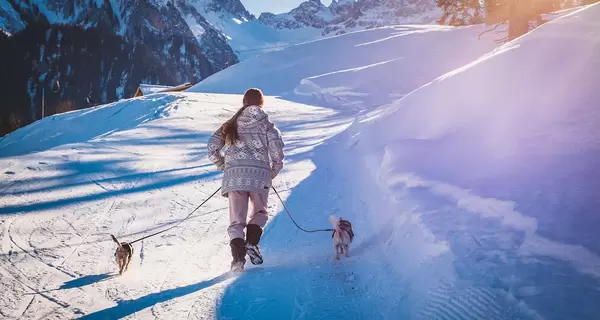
130,168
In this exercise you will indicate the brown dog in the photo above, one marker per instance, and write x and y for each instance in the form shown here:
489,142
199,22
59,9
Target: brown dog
123,254
342,235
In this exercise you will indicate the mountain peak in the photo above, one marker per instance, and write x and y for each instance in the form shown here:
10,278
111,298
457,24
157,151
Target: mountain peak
234,7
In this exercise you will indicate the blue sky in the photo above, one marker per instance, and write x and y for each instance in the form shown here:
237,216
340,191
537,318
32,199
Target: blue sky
275,6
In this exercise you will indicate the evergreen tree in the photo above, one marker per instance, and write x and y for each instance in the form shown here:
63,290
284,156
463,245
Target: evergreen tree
520,14
459,12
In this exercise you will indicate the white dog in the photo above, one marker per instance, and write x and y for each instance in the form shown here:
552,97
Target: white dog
342,235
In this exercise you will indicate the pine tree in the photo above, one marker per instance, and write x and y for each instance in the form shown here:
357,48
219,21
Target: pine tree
14,122
459,12
519,14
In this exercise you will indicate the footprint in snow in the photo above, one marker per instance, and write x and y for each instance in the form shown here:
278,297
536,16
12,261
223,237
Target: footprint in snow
33,168
9,172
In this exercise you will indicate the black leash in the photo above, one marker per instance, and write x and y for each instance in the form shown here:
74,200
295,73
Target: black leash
210,197
178,223
294,221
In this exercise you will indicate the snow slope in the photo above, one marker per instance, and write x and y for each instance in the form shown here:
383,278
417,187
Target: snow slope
357,70
252,38
139,165
129,168
487,179
471,197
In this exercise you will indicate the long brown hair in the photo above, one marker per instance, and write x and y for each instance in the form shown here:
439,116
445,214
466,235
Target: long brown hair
252,97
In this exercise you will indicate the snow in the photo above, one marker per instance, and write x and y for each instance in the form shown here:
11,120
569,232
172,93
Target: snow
54,17
119,12
127,168
196,28
120,91
422,12
499,160
352,71
31,91
153,88
167,47
9,18
245,35
470,183
557,14
42,47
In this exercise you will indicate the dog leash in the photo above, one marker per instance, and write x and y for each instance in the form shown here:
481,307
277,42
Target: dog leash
294,221
210,197
178,223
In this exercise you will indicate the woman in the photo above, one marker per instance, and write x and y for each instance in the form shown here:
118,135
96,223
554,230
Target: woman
250,140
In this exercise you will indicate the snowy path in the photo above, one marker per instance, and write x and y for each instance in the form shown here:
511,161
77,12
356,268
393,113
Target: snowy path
58,207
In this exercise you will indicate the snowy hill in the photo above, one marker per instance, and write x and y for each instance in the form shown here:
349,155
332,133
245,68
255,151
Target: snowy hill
128,168
354,71
471,191
487,178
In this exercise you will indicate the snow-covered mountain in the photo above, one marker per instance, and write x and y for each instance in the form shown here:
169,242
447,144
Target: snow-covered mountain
182,40
158,24
472,193
347,15
140,42
311,13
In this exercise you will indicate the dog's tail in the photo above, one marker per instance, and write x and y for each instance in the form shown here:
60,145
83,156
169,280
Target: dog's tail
115,240
334,221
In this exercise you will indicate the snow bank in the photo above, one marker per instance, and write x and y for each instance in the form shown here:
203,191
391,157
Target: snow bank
357,70
487,179
84,125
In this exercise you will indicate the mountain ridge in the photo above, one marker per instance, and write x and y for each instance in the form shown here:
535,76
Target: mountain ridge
342,16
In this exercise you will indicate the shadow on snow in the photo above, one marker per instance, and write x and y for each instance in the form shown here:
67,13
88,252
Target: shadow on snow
128,307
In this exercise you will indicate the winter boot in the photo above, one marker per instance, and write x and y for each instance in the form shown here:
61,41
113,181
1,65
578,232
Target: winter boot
238,253
253,234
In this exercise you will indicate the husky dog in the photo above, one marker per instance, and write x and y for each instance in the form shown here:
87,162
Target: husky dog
342,235
123,254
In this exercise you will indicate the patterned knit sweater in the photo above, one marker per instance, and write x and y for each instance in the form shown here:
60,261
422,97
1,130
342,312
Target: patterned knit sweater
246,163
